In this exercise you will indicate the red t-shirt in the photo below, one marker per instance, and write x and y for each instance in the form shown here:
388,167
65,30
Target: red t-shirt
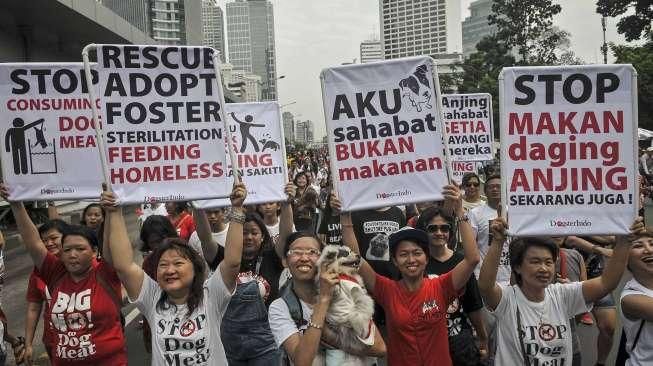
84,318
416,321
185,225
37,292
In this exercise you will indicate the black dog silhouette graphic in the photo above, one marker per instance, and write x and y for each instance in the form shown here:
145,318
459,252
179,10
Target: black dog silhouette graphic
417,88
268,144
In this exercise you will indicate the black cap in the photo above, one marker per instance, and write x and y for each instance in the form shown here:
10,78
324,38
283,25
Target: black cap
419,237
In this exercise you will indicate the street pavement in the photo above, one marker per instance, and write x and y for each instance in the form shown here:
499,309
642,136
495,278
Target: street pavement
19,266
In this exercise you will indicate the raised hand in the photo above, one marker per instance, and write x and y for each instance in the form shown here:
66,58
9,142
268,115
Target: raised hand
238,194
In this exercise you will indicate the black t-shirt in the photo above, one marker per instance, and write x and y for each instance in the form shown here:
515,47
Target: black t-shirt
471,300
330,226
372,229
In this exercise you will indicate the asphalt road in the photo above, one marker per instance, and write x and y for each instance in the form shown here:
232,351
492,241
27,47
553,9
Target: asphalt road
19,266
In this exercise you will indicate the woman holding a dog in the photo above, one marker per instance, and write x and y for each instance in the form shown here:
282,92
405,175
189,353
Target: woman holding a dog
416,306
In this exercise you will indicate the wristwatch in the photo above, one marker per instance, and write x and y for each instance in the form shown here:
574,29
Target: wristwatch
464,218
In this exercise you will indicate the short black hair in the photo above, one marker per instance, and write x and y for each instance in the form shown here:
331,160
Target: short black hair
83,231
518,247
55,224
298,235
489,178
158,226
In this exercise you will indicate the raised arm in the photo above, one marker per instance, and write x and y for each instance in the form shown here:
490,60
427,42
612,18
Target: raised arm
464,269
586,246
598,287
487,279
349,239
131,274
203,229
53,213
27,230
233,248
285,220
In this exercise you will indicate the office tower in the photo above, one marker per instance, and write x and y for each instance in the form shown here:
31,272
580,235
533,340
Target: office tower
250,30
371,51
135,12
476,26
176,22
213,27
288,127
419,27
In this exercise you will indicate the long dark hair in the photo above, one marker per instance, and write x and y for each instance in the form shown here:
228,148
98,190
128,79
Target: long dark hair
90,206
158,226
256,218
431,212
196,294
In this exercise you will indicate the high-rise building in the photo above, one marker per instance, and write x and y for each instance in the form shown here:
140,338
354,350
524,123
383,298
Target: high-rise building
135,12
419,27
213,27
176,22
288,127
243,84
304,132
250,30
371,51
476,25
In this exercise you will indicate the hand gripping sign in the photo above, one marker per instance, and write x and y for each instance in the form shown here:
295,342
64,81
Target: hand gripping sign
568,149
47,132
384,132
258,140
162,110
468,120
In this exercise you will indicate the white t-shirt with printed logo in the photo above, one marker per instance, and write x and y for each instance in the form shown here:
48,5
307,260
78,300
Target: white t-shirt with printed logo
547,334
479,219
181,340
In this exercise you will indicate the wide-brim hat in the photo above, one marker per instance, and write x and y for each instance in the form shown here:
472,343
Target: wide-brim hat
419,237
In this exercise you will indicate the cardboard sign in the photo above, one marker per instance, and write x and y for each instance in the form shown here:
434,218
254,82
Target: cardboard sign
568,140
48,138
164,133
468,119
384,133
257,139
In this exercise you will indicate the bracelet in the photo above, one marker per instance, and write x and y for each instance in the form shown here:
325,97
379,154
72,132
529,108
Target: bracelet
313,325
236,216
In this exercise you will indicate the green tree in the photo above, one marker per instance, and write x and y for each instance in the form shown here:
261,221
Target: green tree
634,26
642,59
527,26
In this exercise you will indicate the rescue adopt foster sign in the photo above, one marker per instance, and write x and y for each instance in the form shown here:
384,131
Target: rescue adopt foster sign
384,133
568,149
163,129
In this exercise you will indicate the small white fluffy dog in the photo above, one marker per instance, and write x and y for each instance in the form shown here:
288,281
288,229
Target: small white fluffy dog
351,310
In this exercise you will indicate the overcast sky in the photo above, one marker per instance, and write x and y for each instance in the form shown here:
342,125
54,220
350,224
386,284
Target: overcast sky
314,34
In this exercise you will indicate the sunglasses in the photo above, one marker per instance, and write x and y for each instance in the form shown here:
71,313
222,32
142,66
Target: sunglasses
441,228
472,184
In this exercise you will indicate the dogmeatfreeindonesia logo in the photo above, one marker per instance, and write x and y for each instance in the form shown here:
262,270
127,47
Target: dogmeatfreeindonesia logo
561,223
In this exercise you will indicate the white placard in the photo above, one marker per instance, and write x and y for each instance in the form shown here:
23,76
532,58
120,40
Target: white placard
568,149
257,134
468,119
460,168
48,137
384,133
164,130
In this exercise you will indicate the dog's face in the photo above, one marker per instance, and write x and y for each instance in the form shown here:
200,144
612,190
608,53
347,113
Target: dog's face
340,258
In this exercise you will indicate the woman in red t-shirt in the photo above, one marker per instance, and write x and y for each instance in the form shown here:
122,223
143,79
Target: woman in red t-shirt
416,306
84,310
181,219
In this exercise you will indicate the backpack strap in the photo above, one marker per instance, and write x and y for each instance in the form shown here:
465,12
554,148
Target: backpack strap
112,294
294,306
639,332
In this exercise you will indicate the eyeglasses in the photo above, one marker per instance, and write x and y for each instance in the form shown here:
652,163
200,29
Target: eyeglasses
445,228
298,253
472,184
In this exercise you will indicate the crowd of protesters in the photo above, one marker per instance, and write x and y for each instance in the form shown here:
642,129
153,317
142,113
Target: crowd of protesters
241,285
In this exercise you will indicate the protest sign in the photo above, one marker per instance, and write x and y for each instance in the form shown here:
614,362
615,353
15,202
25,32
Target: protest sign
257,139
468,119
568,158
164,132
384,132
50,151
460,168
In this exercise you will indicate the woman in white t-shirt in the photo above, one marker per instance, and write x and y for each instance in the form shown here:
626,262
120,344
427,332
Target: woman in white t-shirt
637,302
184,308
533,314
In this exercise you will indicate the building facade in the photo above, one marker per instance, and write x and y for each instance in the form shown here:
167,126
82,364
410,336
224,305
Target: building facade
250,30
371,51
304,132
213,27
476,25
419,27
135,12
176,22
243,84
288,127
